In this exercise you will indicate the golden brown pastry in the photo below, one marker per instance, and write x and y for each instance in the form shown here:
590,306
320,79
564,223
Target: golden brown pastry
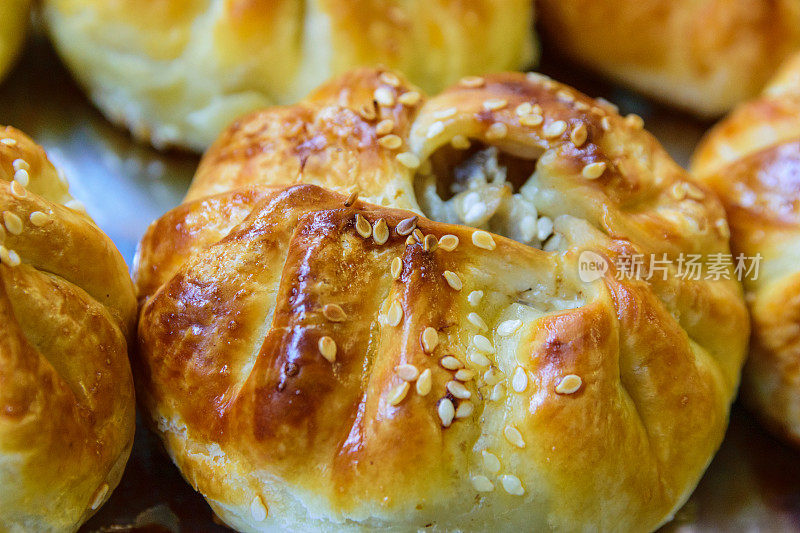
66,308
702,56
752,160
13,26
320,362
177,73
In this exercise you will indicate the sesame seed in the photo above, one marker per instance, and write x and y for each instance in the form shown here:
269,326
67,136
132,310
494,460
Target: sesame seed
257,509
474,298
13,223
605,123
554,129
579,135
390,79
429,244
396,268
429,339
407,372
464,374
523,109
395,314
460,142
99,496
381,232
8,142
593,171
451,363
408,160
479,359
20,164
491,462
565,96
9,257
352,199
384,96
435,129
391,141
483,239
398,393
482,483
22,177
410,240
448,242
483,344
418,236
327,348
513,436
410,98
424,382
363,226
494,104
457,389
384,127
634,121
476,320
544,228
498,392
535,77
472,82
453,280
569,384
519,382
334,313
407,225
17,189
493,376
445,113
531,121
446,411
498,130
465,409
509,327
512,485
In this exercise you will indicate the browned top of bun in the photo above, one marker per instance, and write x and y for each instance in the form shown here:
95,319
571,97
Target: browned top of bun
615,392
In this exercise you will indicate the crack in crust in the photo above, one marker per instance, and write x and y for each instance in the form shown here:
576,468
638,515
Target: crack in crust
449,344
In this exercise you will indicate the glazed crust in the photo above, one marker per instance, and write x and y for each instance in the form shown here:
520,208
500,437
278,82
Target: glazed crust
13,29
235,282
66,391
177,72
704,57
752,160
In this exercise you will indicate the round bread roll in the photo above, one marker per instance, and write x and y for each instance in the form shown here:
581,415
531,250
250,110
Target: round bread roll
704,57
13,26
177,73
752,160
66,391
429,354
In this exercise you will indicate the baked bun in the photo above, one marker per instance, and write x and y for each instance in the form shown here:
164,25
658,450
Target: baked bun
66,391
177,73
13,26
703,57
752,160
319,362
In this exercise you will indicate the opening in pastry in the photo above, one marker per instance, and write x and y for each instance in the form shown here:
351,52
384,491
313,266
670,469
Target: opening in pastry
485,188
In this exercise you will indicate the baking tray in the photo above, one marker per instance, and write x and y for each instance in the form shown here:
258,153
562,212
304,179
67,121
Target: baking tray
753,484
